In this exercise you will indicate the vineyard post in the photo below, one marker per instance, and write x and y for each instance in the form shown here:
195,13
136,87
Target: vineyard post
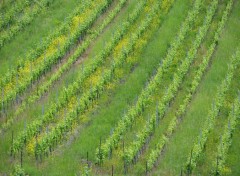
217,167
125,167
181,173
112,170
21,158
100,155
12,145
87,160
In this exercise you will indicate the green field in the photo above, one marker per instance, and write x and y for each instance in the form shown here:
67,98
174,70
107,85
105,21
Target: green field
120,87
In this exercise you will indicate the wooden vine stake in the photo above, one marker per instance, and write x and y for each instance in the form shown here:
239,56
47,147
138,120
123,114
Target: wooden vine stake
100,152
88,161
217,167
12,145
21,158
189,168
112,170
125,167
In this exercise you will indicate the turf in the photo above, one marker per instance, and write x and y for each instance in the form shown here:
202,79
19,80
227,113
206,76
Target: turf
79,146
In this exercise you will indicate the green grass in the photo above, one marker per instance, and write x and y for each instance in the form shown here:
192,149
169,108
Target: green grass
39,28
89,140
183,90
233,159
166,80
32,112
97,122
5,5
70,76
209,157
179,146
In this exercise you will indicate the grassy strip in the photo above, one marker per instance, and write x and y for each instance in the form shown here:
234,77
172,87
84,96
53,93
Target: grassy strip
26,66
33,70
77,85
98,123
42,89
213,113
178,147
226,138
182,109
171,91
8,34
11,15
42,28
5,5
145,95
231,165
66,125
